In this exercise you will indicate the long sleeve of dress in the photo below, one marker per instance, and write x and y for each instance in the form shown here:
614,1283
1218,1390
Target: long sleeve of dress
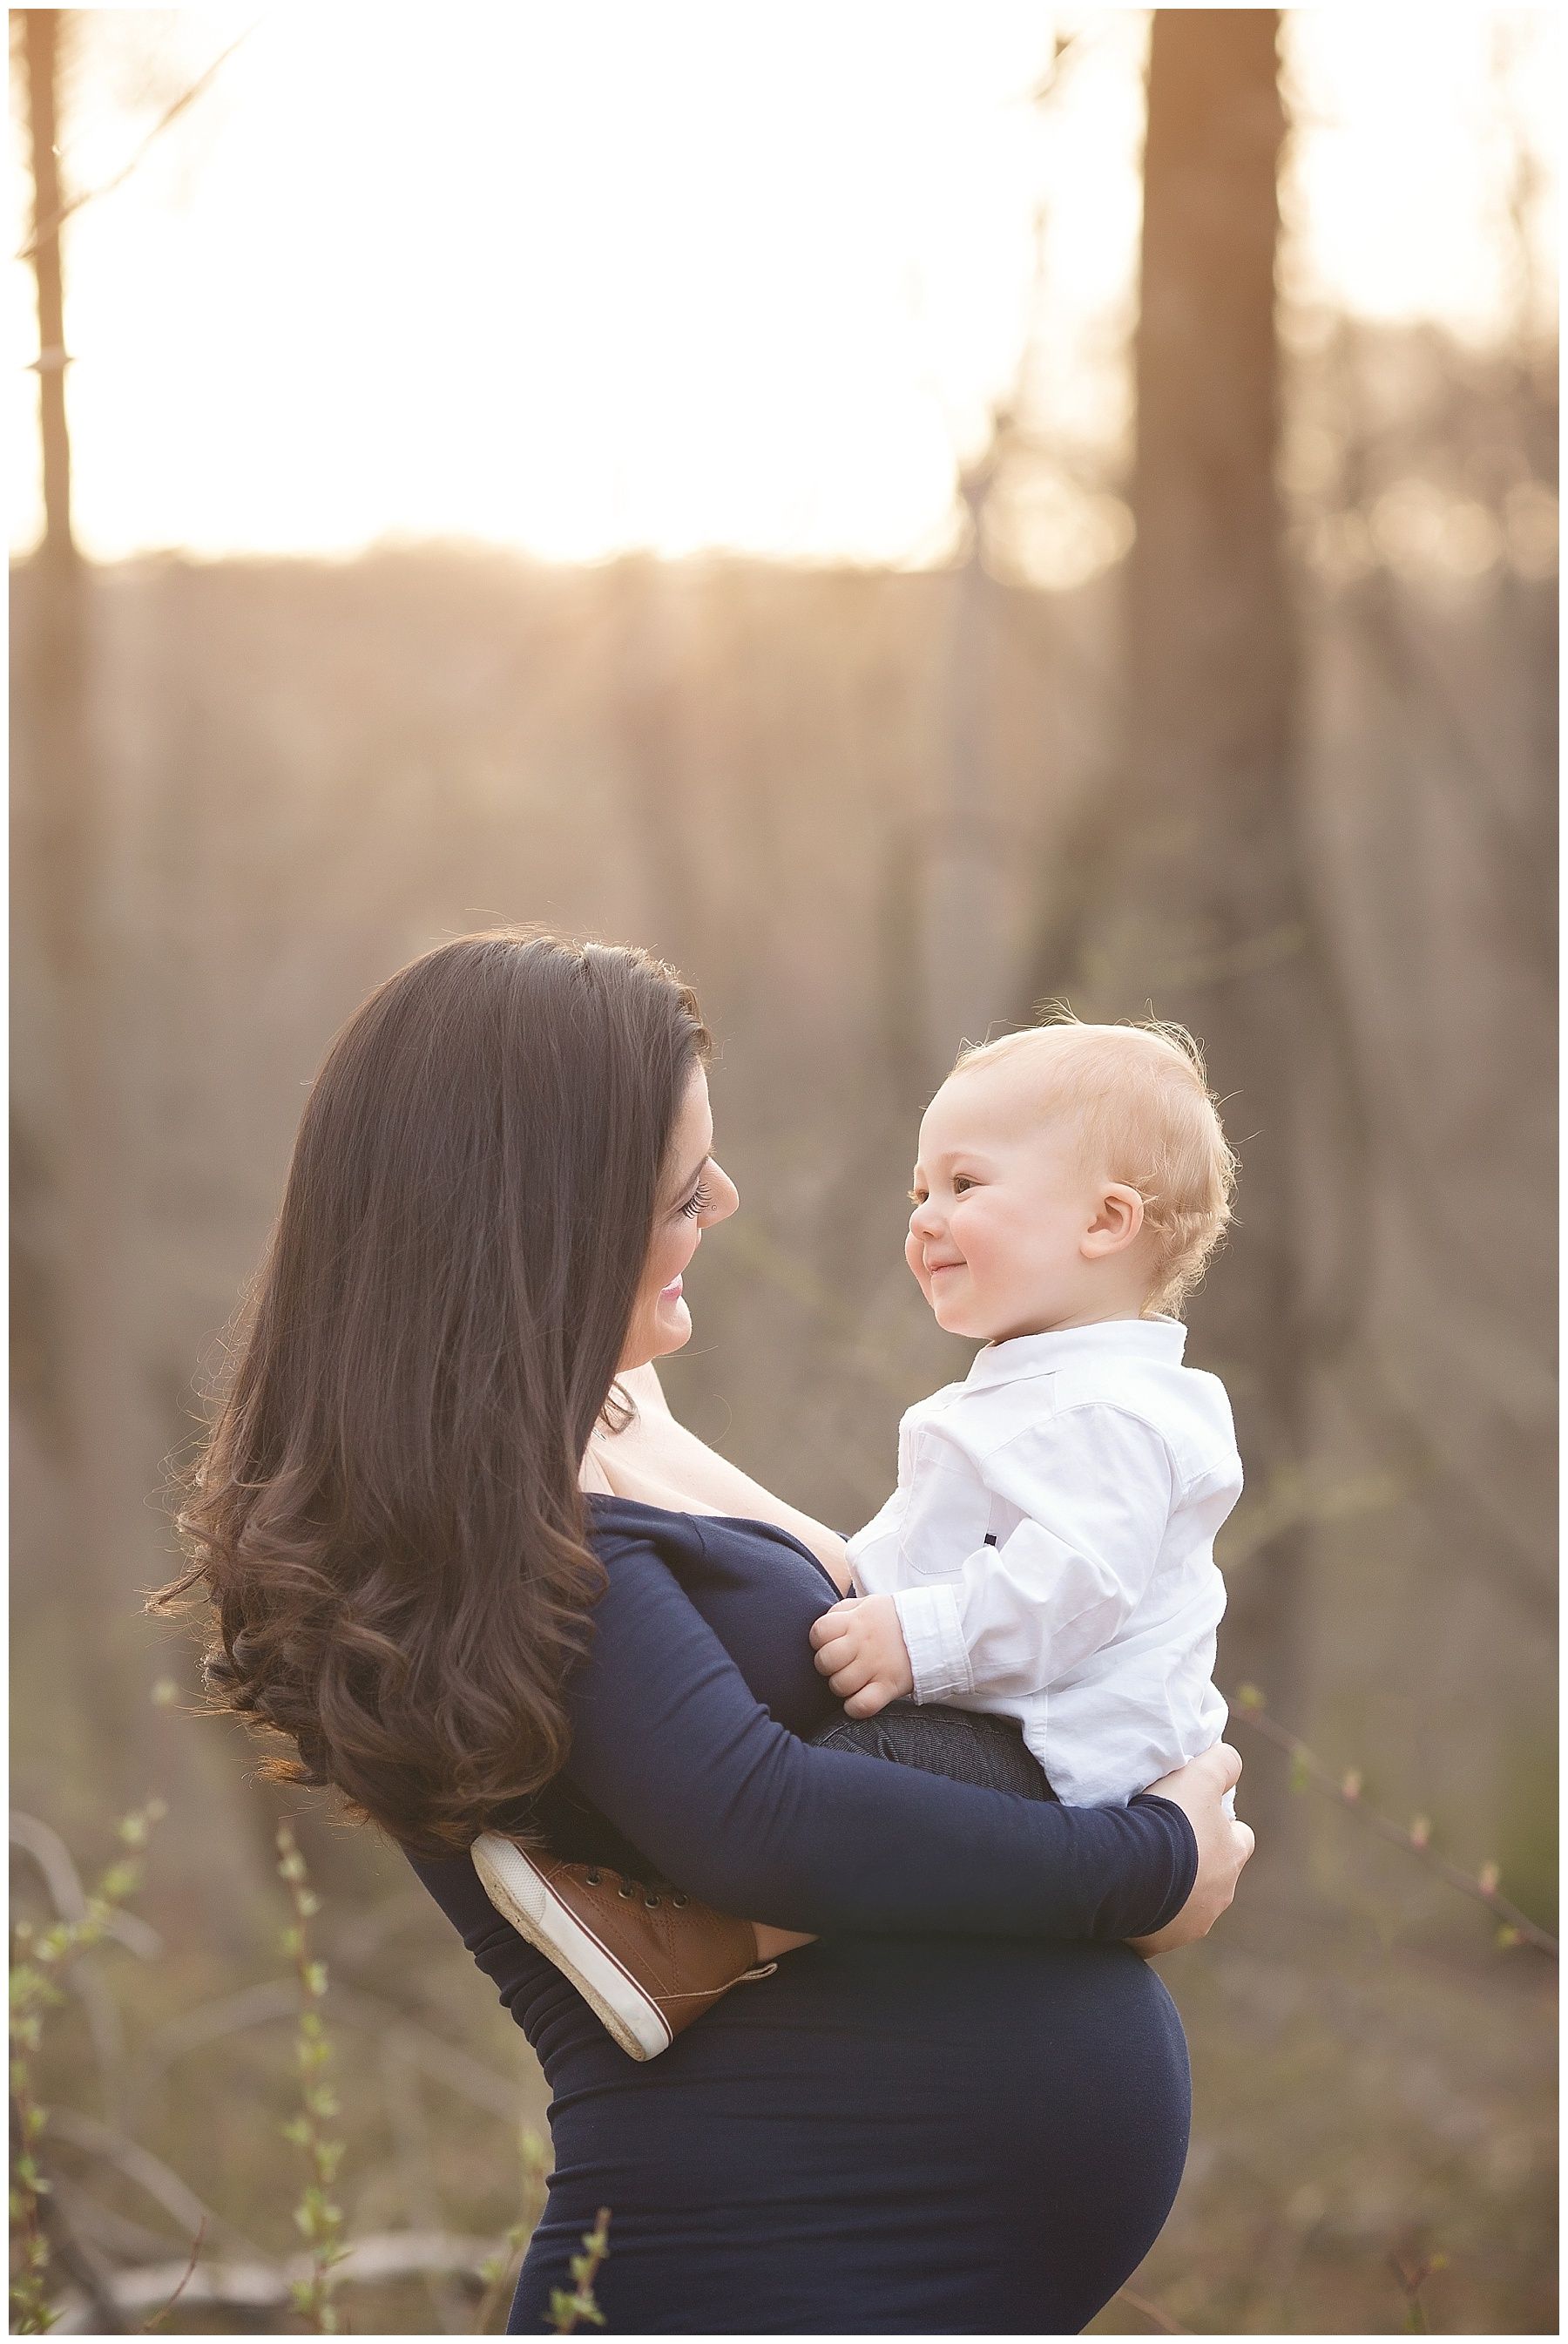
671,1745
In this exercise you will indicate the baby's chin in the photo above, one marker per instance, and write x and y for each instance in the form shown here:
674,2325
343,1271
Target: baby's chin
972,1321
953,1319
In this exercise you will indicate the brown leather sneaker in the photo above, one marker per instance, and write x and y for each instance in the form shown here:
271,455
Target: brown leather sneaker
649,1960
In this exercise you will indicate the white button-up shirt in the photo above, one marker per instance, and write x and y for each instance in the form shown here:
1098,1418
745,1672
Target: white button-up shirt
1050,1549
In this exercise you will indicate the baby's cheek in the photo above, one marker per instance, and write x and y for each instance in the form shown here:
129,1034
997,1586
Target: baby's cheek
912,1256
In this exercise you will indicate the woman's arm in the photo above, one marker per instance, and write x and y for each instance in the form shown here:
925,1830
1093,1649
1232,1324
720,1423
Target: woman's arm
660,1461
671,1745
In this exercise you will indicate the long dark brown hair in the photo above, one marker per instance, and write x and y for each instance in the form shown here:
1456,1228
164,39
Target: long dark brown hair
385,1515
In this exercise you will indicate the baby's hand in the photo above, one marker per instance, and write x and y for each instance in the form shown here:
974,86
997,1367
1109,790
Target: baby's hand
860,1651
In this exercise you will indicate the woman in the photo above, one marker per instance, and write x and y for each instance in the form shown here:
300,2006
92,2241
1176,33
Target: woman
966,2107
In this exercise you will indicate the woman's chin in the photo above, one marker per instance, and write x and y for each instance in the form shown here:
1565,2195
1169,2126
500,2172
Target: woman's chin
671,1325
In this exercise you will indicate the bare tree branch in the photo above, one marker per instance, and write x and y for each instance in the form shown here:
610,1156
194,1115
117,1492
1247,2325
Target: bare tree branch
263,2286
160,2181
63,212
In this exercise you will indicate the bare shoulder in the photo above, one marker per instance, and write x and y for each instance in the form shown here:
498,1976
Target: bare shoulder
643,1388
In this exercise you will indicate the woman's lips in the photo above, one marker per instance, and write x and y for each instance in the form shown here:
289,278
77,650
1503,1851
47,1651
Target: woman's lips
671,1293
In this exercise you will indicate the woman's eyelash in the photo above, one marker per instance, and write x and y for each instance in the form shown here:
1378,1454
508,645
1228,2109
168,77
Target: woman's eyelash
696,1202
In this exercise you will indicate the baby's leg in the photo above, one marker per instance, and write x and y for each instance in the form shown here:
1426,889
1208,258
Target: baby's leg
965,1745
647,1958
650,1959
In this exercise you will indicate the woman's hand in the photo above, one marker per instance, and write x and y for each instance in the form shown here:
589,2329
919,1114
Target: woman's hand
1223,1846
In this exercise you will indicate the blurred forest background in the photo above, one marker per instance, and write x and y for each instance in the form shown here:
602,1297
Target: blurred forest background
1222,681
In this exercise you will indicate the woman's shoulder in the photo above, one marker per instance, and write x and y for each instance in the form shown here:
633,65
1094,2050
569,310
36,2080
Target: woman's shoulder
673,1576
621,1528
625,1530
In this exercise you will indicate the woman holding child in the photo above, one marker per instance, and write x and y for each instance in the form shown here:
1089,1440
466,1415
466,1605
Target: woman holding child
463,1558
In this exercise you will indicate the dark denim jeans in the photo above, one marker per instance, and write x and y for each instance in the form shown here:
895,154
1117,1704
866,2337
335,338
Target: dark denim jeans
957,1743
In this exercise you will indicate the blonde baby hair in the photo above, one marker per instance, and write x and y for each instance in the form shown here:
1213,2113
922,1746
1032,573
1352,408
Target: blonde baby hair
1139,1090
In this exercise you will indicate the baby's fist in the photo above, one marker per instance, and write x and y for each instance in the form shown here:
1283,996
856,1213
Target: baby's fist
860,1651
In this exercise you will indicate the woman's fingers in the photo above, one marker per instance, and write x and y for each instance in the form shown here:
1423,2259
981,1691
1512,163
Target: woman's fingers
1230,1764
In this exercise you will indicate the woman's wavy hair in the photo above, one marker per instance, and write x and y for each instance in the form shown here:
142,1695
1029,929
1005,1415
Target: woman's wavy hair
385,1515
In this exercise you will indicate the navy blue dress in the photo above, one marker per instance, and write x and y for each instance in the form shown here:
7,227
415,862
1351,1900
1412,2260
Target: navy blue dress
965,2111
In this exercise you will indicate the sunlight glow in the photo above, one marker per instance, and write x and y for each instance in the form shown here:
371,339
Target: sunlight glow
681,276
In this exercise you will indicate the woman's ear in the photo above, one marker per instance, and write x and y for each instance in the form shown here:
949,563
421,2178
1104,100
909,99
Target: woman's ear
1117,1219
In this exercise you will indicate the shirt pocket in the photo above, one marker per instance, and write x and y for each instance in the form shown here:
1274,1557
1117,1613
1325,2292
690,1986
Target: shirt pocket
948,1515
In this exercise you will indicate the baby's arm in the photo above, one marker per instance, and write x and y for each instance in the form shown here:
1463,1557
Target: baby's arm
1094,1486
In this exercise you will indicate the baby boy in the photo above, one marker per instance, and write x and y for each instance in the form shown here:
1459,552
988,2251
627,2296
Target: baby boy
1048,1554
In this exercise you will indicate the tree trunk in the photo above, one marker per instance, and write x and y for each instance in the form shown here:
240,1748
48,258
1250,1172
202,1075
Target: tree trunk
1207,917
86,1553
963,971
41,37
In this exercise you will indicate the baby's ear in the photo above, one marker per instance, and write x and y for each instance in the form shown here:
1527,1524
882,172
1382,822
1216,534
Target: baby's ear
1117,1219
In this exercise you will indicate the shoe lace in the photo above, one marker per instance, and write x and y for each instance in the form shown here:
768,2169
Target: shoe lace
627,1884
595,1876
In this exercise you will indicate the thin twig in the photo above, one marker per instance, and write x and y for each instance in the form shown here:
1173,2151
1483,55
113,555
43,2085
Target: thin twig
319,2217
66,1893
184,2282
39,1961
1345,1789
51,226
499,2273
568,2306
1151,2311
69,1898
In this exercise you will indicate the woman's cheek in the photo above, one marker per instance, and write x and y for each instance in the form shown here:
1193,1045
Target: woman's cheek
669,1258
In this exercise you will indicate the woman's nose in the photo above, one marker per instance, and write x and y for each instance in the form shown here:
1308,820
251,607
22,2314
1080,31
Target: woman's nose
726,1195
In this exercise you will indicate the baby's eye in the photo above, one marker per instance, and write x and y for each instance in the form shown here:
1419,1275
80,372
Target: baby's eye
961,1182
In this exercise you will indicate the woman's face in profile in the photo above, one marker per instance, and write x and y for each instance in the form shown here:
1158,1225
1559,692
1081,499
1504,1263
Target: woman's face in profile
695,1192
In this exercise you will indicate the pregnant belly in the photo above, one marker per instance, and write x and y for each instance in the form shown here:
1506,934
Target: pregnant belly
891,2136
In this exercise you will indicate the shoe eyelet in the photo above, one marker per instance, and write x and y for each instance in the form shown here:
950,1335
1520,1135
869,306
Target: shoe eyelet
625,1889
593,1879
651,1902
681,1900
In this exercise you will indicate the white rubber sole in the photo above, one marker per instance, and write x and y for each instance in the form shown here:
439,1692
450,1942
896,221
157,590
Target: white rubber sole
517,1888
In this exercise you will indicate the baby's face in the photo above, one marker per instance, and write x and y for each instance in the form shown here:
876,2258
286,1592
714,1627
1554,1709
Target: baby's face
1014,1231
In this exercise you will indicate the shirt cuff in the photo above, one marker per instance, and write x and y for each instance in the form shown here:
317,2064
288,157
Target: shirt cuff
933,1634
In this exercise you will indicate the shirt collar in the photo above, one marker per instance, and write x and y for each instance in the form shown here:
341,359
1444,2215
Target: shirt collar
1038,1355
